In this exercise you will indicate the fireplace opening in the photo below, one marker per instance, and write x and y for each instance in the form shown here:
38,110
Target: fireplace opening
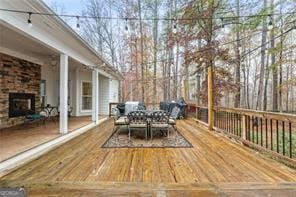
21,104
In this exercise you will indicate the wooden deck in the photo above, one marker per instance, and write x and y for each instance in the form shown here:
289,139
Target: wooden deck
213,166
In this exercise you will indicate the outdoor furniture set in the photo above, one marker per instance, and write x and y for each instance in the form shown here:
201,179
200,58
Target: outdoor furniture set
147,120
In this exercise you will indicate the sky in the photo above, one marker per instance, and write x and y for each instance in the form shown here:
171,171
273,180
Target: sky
74,7
70,6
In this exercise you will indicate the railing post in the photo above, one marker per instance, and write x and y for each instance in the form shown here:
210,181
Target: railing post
244,127
210,98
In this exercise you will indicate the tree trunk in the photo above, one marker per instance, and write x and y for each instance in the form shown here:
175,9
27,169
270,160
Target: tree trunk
238,59
266,84
155,37
142,54
274,67
262,67
137,71
280,103
176,73
287,89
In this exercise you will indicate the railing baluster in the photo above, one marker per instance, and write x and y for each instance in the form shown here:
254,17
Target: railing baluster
249,128
240,125
253,129
232,123
229,118
266,135
228,122
233,126
283,135
261,131
224,121
290,139
236,124
257,136
271,135
277,136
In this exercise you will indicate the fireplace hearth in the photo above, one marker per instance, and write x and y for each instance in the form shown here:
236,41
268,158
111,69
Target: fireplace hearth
21,104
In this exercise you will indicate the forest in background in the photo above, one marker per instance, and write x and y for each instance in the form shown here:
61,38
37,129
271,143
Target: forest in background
163,49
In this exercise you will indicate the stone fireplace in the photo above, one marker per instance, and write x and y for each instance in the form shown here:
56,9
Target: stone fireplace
19,89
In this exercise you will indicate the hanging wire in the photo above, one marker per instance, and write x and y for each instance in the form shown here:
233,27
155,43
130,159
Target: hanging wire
136,18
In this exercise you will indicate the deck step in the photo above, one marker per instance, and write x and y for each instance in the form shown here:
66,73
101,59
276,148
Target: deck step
156,189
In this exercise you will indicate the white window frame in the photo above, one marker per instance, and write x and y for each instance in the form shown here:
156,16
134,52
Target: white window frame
81,96
43,81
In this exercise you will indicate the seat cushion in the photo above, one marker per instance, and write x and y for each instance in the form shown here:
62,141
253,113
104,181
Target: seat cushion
159,125
140,125
121,121
172,121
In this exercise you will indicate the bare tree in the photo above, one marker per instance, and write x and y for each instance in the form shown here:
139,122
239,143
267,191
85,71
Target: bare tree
262,67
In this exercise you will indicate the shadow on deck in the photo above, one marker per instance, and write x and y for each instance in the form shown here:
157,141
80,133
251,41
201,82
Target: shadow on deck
214,166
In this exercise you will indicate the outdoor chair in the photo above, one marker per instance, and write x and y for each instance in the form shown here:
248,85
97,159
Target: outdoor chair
159,121
174,116
32,116
118,119
70,109
137,120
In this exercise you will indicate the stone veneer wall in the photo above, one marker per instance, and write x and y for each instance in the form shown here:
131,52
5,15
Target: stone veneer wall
17,75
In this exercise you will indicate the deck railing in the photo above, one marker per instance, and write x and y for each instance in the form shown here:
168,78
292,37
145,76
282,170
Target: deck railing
275,132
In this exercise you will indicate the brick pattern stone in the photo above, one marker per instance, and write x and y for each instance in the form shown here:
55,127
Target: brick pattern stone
17,75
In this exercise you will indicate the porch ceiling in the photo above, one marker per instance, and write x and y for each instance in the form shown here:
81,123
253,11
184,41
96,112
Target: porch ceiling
16,44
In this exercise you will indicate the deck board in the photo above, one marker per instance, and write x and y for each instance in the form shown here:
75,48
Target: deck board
212,160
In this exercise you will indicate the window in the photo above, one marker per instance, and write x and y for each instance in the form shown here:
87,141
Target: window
43,93
86,96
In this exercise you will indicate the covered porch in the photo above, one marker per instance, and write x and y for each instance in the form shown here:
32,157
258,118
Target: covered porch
215,165
49,73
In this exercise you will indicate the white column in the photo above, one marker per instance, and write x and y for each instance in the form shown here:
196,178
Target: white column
63,94
78,92
95,95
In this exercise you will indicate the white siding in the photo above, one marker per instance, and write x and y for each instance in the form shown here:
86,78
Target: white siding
103,95
113,90
50,75
108,89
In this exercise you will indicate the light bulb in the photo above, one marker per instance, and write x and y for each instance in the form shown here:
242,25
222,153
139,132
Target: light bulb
29,20
270,25
175,28
77,24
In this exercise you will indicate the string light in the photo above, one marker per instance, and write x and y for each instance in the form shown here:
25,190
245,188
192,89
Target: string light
222,22
126,27
77,24
29,19
270,25
135,18
240,47
175,27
